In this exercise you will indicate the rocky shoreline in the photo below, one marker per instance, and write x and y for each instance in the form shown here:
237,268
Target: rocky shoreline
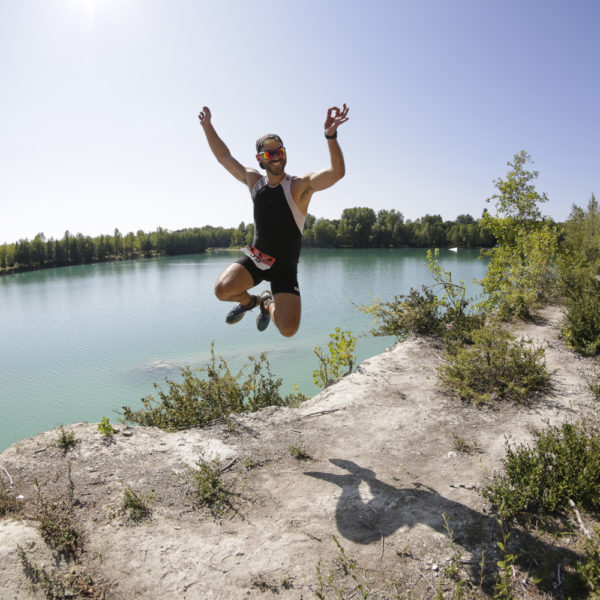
380,472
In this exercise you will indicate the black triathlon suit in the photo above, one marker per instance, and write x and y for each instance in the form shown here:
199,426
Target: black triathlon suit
278,225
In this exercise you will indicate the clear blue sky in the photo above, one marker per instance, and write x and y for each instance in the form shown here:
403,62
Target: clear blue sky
99,102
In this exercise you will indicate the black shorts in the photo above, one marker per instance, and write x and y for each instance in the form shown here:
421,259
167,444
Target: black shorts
283,277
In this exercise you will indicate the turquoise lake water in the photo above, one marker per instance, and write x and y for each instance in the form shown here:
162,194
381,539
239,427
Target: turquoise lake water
78,343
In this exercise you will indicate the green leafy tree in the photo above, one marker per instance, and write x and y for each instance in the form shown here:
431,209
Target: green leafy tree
356,225
522,267
38,250
239,235
325,234
388,229
579,266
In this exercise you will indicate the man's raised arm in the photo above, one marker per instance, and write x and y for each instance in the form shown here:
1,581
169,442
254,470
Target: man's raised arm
326,178
219,149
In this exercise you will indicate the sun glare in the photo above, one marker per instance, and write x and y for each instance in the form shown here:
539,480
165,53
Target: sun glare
92,10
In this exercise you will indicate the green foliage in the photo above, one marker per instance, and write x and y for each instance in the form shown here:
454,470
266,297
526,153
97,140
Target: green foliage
581,243
355,226
593,383
66,439
447,315
579,267
208,489
57,585
581,326
341,355
8,503
464,447
136,504
358,227
56,524
503,577
105,428
347,569
563,463
197,401
521,277
299,451
454,566
59,532
589,568
522,269
495,368
458,320
415,313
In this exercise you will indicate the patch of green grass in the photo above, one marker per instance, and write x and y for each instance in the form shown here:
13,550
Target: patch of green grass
208,489
56,523
57,585
463,446
66,439
300,451
252,462
8,503
136,504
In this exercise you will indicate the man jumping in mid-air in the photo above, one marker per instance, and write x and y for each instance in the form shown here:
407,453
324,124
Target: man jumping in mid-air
280,208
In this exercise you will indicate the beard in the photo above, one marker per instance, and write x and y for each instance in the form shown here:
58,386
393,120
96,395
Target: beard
275,170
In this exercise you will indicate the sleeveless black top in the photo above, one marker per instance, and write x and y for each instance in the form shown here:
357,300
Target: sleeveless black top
278,222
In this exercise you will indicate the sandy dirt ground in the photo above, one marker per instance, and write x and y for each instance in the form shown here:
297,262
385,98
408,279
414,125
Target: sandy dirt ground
384,477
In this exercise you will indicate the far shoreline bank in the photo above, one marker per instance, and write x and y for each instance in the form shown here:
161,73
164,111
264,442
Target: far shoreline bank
30,269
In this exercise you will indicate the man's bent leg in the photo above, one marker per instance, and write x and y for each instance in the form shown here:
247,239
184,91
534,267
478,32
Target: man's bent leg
233,284
285,313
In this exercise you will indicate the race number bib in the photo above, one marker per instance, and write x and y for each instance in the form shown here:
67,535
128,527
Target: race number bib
261,260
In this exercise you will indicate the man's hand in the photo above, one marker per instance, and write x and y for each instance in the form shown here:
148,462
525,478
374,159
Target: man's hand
335,117
204,116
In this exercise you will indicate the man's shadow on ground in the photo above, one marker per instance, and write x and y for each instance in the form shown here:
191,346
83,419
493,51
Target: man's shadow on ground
390,509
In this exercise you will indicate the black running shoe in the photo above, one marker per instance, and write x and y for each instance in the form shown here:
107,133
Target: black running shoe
235,315
264,316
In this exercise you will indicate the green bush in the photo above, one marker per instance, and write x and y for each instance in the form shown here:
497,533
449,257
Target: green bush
208,489
447,316
563,463
66,439
105,428
581,326
589,569
415,313
582,235
495,368
197,401
136,504
341,355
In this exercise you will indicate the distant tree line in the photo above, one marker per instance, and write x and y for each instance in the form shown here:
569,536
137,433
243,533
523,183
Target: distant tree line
357,228
364,228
